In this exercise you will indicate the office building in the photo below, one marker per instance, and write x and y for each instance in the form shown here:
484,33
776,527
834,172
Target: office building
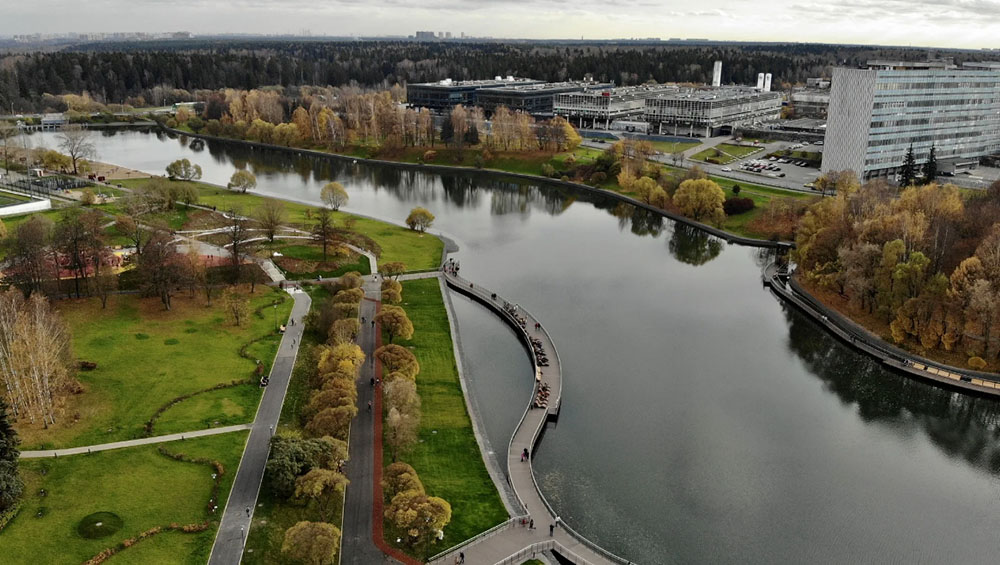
445,94
599,108
877,114
535,99
810,103
710,111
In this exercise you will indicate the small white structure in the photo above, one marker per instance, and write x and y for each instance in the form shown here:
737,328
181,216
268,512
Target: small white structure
760,81
767,82
717,74
26,208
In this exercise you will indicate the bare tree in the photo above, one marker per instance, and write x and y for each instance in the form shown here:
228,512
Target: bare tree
74,140
271,216
239,241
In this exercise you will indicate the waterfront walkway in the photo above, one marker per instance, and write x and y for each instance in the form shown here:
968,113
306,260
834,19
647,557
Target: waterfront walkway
783,286
513,541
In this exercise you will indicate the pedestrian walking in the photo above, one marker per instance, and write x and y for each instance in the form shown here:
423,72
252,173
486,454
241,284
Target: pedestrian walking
531,524
369,405
552,530
248,511
461,557
362,319
373,323
524,455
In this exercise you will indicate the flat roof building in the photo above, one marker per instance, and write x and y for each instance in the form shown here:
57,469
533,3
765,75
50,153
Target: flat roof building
598,108
535,99
876,115
810,103
711,111
447,93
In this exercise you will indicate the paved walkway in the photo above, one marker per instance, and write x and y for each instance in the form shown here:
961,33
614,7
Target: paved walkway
132,442
236,520
511,538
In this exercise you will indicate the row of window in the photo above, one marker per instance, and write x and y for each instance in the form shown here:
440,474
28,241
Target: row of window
936,85
958,102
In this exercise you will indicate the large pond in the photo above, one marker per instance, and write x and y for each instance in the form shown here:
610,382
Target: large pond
702,419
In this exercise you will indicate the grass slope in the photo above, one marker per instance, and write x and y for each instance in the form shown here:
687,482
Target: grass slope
147,356
140,485
447,457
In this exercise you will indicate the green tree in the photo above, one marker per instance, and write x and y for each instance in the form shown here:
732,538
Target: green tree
420,518
908,172
447,131
701,200
419,219
182,169
315,543
930,167
242,181
334,195
11,485
291,457
392,269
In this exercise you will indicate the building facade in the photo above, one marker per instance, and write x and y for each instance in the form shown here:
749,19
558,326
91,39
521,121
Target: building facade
599,108
708,112
810,103
447,93
534,99
877,114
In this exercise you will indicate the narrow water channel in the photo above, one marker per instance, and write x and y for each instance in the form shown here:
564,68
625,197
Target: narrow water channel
702,420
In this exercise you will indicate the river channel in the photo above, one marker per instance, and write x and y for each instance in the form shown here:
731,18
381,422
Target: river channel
702,419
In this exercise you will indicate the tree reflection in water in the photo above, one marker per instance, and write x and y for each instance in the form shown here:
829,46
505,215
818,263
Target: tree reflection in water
961,425
692,246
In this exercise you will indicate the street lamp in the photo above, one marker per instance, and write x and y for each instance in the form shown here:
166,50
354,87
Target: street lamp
275,316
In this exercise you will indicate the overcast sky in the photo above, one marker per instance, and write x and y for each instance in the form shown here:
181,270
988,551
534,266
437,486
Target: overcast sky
945,23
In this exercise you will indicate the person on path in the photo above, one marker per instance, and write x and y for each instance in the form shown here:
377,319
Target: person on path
552,529
369,405
531,524
524,455
362,319
248,511
373,323
461,557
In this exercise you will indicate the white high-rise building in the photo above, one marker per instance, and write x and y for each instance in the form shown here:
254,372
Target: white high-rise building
767,82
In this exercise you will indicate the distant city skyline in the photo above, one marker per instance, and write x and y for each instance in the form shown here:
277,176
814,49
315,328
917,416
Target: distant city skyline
932,23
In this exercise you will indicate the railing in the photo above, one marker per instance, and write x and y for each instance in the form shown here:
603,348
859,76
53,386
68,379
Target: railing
530,552
501,527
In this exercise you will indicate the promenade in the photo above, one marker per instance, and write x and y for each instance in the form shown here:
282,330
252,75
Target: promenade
785,287
513,541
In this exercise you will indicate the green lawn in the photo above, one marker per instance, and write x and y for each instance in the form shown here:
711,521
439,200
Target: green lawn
729,153
147,356
305,261
447,457
419,251
668,147
143,487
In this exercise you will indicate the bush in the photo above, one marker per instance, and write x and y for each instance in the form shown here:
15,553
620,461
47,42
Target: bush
171,123
564,178
479,161
430,155
548,170
196,124
598,177
977,363
736,205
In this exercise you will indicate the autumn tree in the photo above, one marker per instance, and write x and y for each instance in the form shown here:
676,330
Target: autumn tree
392,269
419,517
271,215
75,141
315,543
242,181
237,305
241,245
392,291
323,231
159,270
35,356
334,195
394,322
323,487
701,200
27,254
290,457
419,219
398,360
182,169
401,429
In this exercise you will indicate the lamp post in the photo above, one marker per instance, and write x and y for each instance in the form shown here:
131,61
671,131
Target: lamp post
275,316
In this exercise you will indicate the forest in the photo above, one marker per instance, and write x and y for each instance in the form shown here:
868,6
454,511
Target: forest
919,266
140,74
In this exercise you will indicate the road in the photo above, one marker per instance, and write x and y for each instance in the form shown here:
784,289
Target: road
238,512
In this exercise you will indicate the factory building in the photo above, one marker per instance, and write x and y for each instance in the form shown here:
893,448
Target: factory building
599,108
445,94
711,111
534,99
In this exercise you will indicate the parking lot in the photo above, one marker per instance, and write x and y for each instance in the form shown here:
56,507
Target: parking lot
755,168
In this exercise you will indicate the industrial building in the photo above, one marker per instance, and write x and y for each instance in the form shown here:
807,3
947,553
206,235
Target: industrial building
445,94
711,111
534,99
599,108
877,114
810,103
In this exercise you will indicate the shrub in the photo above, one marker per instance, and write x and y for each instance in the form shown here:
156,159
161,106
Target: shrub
736,205
736,189
564,178
430,155
598,177
195,123
479,161
977,363
171,123
548,170
88,198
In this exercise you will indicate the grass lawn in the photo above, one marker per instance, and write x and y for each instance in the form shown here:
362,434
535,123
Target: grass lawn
729,152
668,147
301,260
447,457
141,486
273,515
147,356
419,251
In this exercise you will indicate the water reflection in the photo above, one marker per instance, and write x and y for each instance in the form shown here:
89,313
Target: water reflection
692,246
961,425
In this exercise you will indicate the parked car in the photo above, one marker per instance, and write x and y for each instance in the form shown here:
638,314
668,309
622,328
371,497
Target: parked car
819,142
727,169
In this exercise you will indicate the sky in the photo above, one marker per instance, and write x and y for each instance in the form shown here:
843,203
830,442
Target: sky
939,23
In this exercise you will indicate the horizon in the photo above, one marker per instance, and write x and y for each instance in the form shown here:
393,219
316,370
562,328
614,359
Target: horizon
902,23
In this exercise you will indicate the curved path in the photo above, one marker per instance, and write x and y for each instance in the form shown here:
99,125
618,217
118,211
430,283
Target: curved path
786,288
512,540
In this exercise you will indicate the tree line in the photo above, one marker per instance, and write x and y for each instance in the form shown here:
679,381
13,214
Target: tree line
921,263
157,74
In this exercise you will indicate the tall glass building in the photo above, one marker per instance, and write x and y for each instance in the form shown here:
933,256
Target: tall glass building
877,114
